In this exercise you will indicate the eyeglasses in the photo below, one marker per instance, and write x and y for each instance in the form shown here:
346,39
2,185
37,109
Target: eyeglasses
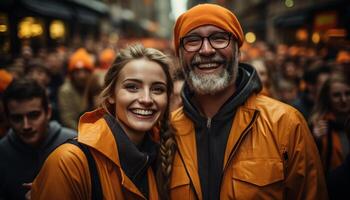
218,40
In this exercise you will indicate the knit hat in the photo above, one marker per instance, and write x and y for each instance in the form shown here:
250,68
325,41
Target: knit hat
207,14
343,57
5,79
106,58
80,59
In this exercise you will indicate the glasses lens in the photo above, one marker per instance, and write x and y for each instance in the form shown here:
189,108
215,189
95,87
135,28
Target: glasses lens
192,42
219,40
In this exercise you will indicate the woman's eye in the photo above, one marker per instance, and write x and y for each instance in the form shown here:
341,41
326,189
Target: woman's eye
131,87
158,89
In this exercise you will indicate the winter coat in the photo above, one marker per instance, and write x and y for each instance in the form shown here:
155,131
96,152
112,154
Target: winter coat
270,154
65,174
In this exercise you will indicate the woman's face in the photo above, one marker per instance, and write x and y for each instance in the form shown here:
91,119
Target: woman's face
340,97
140,96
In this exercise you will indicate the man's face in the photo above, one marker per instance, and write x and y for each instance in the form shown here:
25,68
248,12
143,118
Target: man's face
29,120
210,70
80,77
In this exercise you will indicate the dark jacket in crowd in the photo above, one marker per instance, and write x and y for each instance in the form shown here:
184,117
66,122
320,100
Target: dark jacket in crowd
20,163
339,181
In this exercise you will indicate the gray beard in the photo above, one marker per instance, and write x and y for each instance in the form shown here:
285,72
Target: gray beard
210,83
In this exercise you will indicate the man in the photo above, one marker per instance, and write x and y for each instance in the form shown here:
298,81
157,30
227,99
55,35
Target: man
71,100
31,138
233,143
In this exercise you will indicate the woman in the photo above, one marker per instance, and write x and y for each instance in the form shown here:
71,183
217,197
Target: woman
120,135
328,119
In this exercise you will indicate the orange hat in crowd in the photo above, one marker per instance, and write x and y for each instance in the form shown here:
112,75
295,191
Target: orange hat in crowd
5,79
80,59
207,14
343,57
106,58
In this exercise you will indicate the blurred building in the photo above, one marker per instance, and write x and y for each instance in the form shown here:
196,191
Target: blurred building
48,23
291,21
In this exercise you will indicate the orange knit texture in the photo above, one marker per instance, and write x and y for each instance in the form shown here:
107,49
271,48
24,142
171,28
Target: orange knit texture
80,59
207,14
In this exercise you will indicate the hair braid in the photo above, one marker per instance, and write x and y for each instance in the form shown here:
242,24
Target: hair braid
166,157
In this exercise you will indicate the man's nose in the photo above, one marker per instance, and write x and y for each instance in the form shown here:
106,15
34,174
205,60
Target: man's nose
206,48
26,123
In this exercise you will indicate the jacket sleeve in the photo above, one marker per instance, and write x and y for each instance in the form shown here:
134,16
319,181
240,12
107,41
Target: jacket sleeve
64,175
304,173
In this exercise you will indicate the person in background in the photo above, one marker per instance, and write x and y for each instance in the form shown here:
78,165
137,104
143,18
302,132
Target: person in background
313,79
5,79
120,134
71,93
338,181
232,142
327,120
178,80
265,78
31,138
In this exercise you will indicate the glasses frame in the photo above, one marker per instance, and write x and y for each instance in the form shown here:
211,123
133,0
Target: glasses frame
208,38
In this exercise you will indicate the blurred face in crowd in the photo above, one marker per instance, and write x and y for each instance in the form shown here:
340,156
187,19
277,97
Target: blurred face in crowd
176,101
40,76
140,97
80,77
340,97
29,120
209,70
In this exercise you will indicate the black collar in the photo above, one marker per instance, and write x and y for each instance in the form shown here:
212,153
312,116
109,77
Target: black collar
134,159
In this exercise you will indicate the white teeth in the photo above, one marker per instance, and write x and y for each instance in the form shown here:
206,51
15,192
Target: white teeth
142,112
208,65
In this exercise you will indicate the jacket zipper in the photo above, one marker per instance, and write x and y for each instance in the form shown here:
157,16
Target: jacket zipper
240,139
208,122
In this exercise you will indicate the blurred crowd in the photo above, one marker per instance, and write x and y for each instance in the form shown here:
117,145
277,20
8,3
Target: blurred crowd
313,80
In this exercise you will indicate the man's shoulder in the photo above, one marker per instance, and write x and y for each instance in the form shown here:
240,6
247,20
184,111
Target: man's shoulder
273,109
63,133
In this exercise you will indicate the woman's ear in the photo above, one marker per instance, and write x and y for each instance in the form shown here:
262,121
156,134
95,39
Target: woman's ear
111,100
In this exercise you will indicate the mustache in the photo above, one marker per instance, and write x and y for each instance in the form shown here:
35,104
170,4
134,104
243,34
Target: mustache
199,59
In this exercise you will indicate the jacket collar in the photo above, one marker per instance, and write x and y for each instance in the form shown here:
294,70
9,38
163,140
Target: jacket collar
94,132
134,159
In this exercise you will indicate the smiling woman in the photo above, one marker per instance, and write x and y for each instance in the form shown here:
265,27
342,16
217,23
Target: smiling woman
121,135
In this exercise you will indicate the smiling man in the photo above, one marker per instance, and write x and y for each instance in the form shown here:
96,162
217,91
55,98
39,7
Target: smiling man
232,142
31,138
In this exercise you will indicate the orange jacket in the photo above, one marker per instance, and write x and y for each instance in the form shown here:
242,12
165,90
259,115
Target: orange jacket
65,174
270,154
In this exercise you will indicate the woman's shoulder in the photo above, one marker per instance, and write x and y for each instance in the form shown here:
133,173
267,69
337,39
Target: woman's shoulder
66,153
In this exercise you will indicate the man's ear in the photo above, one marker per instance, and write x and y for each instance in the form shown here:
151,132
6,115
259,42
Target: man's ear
49,112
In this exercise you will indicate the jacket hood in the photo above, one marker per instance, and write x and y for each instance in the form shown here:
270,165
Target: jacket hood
53,130
247,83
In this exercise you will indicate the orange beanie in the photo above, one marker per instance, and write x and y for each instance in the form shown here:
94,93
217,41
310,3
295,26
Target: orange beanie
207,14
80,59
5,79
343,57
106,57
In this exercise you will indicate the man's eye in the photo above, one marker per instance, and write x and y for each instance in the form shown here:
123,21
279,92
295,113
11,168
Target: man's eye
192,40
34,115
16,118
